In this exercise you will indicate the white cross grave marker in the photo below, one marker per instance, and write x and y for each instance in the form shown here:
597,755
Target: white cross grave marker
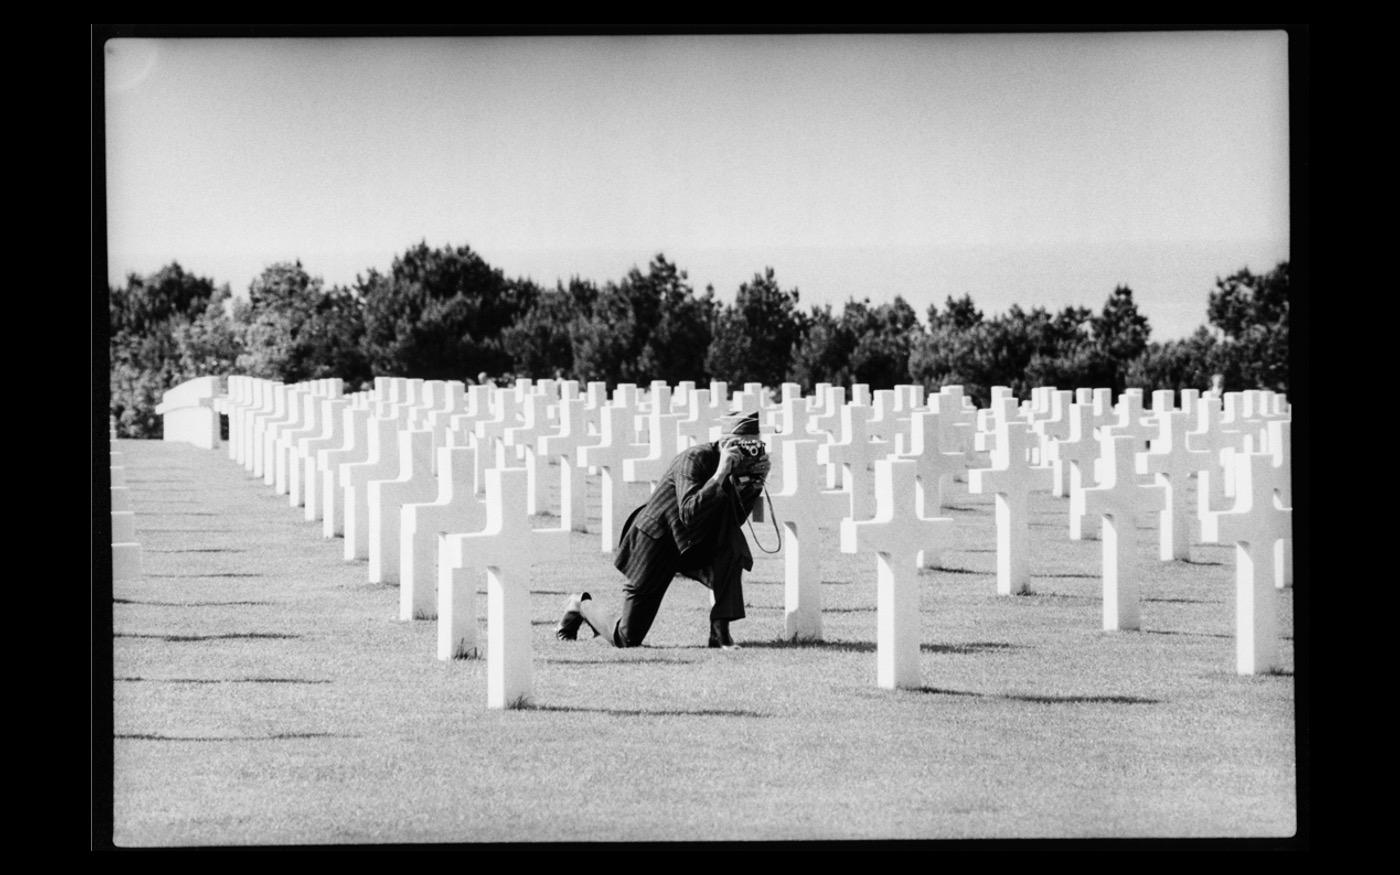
490,429
664,442
562,446
1173,463
254,395
1131,420
238,397
935,465
702,422
613,449
801,507
1254,524
1118,499
457,508
507,548
1051,429
897,534
259,424
851,457
414,483
828,419
1214,450
382,463
354,448
285,467
1012,478
1080,452
791,424
292,420
1281,460
308,485
521,439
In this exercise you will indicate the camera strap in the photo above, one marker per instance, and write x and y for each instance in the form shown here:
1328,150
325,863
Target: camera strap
773,519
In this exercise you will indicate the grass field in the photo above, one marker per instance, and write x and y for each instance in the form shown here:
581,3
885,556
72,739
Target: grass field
265,693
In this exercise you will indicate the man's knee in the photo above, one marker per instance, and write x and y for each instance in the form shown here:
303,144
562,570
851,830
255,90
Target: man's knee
625,639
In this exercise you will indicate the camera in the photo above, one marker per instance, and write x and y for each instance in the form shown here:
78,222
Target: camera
752,448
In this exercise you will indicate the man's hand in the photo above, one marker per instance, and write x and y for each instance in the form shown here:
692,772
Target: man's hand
729,458
760,468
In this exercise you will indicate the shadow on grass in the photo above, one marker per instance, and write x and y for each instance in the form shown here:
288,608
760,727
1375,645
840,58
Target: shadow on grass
966,508
1075,574
118,601
1187,601
1082,700
202,550
1192,634
221,680
637,712
233,636
212,574
374,587
871,646
621,660
1198,562
970,647
280,736
1044,700
957,571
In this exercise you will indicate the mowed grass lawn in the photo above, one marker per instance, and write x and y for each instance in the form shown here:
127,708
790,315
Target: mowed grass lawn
265,693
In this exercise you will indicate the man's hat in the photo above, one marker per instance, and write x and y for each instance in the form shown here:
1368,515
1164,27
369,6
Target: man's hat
741,424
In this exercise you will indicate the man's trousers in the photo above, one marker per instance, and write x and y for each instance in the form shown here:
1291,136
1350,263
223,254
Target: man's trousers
650,565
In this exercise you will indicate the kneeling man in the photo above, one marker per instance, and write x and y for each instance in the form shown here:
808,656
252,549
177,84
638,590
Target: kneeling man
691,526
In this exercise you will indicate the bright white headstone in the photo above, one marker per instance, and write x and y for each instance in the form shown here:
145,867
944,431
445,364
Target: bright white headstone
897,534
1119,499
1012,478
507,548
1254,525
802,507
456,509
414,483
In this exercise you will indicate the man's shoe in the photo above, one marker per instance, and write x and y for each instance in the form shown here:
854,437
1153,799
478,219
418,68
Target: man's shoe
567,630
719,636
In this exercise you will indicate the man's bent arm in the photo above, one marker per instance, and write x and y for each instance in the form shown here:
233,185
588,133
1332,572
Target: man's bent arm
699,492
747,490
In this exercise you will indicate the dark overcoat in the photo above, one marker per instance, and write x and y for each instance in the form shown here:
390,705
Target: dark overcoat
693,513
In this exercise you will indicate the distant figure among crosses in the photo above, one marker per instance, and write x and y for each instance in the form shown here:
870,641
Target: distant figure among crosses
689,526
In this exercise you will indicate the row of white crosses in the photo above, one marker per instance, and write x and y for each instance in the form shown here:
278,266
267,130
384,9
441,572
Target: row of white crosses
413,472
932,436
126,551
1018,467
1258,523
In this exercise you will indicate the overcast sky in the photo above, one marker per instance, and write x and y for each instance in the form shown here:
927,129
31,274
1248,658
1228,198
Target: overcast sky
1030,169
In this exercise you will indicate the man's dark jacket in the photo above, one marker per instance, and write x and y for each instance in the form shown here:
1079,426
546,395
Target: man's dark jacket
689,510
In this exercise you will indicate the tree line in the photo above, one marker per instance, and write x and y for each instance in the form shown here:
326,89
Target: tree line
445,313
